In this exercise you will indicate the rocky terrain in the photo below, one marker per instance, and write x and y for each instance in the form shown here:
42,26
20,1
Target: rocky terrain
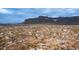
41,33
39,36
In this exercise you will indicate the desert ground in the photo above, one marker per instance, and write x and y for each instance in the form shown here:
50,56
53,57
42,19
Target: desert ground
39,37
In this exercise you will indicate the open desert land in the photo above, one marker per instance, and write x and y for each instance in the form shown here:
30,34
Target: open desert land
39,37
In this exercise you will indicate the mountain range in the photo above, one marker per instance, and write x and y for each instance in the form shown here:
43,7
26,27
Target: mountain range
74,20
53,20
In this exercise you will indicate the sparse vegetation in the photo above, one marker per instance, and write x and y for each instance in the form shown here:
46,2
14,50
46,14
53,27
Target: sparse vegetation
39,36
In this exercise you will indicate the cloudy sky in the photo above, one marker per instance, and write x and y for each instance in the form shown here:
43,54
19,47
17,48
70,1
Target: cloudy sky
17,15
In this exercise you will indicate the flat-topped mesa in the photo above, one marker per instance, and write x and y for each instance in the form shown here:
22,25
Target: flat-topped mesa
56,20
39,19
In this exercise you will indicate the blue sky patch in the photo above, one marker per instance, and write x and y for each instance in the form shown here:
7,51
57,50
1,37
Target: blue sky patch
17,15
